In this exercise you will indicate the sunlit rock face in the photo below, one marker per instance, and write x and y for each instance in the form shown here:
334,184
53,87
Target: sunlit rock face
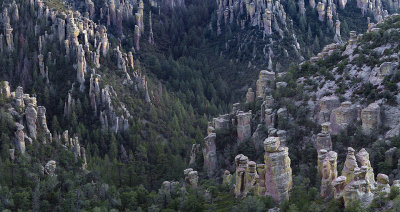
278,173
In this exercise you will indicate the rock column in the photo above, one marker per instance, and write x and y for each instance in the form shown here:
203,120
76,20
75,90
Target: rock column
243,126
278,177
210,154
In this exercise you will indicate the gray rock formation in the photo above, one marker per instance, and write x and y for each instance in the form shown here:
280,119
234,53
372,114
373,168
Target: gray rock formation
210,154
31,117
371,117
50,168
244,126
342,117
326,105
278,177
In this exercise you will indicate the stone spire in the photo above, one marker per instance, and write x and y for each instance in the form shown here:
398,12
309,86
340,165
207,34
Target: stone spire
137,37
241,163
61,30
243,126
321,11
342,4
338,37
329,16
81,67
140,10
324,140
302,9
329,173
267,18
151,38
20,138
265,82
9,38
312,3
210,154
278,177
31,117
349,165
250,96
363,158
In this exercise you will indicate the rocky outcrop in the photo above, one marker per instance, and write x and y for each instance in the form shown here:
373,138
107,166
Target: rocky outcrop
326,105
363,158
329,173
278,177
31,117
323,140
81,67
5,89
258,138
269,118
244,126
20,138
241,163
227,178
321,11
250,96
349,165
43,124
265,82
371,117
222,122
342,117
210,154
358,190
50,168
191,177
382,185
